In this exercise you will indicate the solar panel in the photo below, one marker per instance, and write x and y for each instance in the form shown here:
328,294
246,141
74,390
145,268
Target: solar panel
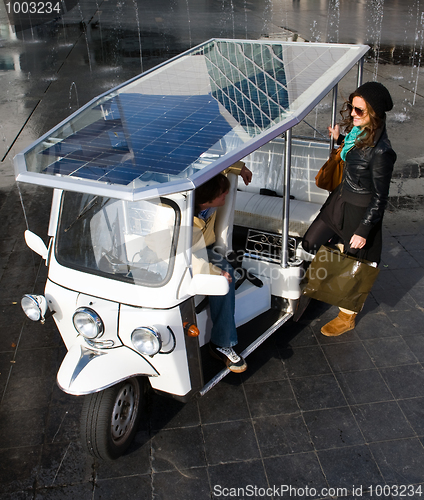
187,119
139,134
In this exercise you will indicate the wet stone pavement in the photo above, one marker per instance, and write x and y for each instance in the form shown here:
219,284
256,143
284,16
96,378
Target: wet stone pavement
311,413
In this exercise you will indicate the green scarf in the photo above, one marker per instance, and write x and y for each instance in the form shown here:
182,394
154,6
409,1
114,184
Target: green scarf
349,141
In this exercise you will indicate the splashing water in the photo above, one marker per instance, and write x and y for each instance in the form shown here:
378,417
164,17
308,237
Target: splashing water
245,18
189,24
420,35
377,11
267,17
333,21
62,19
139,34
223,21
400,117
100,29
315,34
85,35
70,95
232,18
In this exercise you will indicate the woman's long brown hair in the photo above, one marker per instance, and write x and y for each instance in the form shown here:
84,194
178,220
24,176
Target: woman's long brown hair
367,136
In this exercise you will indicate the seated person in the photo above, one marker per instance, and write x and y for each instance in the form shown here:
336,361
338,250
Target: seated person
209,197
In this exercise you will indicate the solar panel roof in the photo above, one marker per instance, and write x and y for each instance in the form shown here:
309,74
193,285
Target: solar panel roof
173,127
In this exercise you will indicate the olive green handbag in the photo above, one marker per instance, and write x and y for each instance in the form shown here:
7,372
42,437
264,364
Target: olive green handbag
339,279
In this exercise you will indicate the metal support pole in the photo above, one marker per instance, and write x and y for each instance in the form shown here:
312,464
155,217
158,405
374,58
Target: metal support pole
333,114
360,71
286,204
189,232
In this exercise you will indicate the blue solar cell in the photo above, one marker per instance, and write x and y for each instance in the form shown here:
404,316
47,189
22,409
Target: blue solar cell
63,167
91,172
120,177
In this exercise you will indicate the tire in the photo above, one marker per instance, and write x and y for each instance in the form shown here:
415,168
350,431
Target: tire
109,419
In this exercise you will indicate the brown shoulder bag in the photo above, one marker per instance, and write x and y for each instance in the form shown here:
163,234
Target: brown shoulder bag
331,173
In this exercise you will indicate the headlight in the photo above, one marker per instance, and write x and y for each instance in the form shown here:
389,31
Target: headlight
146,340
34,306
88,323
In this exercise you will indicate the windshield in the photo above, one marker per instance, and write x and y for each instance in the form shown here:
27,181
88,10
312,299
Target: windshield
124,240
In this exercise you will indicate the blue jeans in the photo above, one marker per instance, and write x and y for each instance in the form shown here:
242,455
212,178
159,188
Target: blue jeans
222,307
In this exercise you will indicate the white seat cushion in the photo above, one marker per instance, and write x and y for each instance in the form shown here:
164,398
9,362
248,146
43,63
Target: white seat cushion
266,213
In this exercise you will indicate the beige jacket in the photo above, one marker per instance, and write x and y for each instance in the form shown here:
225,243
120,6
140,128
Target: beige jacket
204,235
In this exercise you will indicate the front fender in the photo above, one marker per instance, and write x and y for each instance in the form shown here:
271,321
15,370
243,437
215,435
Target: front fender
85,370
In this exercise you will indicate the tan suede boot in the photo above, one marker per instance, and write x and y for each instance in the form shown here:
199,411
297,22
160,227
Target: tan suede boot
343,323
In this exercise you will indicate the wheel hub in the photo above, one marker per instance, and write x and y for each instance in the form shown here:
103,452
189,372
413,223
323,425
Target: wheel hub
124,411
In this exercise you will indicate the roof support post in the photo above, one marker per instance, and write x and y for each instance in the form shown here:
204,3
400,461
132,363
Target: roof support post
286,203
188,228
360,71
333,114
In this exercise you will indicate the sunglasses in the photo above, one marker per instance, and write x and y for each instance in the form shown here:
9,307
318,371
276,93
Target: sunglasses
358,111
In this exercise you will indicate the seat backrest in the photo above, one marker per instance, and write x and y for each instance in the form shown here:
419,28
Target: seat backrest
267,165
225,219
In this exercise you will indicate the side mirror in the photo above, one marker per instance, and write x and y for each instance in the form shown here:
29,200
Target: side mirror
208,284
36,244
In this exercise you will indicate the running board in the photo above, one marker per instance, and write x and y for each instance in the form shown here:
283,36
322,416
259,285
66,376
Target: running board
254,345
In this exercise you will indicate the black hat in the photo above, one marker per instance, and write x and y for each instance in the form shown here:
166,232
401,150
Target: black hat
377,96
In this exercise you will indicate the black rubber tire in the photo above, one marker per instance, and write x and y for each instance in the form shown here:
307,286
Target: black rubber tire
109,419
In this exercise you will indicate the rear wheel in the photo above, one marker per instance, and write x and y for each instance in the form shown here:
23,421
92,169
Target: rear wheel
109,419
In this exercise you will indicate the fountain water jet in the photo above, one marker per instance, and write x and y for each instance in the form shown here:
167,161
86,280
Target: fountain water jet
85,35
420,32
73,85
245,18
139,33
333,20
100,29
232,18
189,25
377,12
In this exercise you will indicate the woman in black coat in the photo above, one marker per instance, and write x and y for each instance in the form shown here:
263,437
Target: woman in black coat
354,210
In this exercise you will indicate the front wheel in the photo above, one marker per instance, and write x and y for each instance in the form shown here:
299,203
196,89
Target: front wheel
109,419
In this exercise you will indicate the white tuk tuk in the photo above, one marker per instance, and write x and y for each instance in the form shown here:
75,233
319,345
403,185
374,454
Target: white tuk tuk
124,168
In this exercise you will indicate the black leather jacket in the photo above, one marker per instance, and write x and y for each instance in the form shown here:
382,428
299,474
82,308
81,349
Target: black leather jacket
366,179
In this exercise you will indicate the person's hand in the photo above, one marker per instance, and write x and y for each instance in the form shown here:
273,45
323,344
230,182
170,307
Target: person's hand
335,132
246,175
227,275
357,241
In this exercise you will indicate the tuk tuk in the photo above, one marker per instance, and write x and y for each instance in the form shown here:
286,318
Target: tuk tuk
124,169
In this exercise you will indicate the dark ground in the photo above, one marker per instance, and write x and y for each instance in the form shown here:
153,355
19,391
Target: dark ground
311,411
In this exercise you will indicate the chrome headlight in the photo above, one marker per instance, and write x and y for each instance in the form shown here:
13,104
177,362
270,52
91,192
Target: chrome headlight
146,340
88,323
34,306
